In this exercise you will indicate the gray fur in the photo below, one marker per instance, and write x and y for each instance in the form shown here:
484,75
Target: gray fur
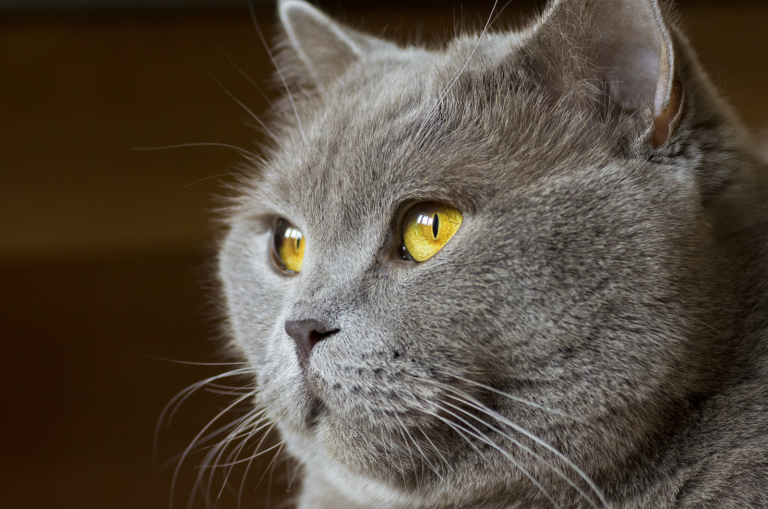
603,305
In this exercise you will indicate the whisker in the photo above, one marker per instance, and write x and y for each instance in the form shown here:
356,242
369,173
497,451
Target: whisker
212,460
296,469
248,466
273,463
245,460
408,447
277,68
281,443
453,426
479,405
206,438
208,178
424,457
227,390
484,439
179,399
445,462
190,363
251,386
479,435
514,398
246,76
194,441
458,75
248,153
248,110
501,11
229,464
252,421
520,445
166,416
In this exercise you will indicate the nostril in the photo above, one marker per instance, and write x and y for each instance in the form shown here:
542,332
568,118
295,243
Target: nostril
315,336
306,334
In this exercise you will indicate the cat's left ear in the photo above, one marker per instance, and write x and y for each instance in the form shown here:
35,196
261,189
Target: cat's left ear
325,48
632,46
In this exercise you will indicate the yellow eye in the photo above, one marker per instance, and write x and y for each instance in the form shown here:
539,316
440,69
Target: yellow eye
427,228
288,246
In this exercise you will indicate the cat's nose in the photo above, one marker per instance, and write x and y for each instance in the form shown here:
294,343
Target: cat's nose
306,334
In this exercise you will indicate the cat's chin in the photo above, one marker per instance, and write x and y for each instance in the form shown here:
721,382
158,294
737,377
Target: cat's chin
367,451
325,478
381,443
344,464
313,410
332,456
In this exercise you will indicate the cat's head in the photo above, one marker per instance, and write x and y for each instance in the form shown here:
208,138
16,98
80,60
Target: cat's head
569,308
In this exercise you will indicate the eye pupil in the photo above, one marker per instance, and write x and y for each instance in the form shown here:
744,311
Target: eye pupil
435,226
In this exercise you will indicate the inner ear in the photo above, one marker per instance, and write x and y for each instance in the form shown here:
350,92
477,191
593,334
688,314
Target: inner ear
629,51
638,57
668,102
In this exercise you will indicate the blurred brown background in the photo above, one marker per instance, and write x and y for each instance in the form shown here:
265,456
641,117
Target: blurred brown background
104,250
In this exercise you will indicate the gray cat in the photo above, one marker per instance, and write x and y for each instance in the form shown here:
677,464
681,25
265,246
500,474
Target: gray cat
529,270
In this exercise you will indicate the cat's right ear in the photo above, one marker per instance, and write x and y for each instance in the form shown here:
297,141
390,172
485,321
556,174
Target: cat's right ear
325,48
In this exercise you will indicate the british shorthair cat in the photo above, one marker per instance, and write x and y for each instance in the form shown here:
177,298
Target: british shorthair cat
527,270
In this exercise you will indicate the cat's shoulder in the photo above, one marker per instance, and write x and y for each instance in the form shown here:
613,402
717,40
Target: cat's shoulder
726,454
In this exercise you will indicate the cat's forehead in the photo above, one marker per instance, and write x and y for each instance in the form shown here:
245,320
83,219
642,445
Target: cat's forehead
421,126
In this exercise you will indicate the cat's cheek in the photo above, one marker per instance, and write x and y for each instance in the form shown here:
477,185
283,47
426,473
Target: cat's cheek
256,296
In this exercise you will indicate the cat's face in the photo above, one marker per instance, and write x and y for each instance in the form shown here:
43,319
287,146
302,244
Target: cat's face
558,317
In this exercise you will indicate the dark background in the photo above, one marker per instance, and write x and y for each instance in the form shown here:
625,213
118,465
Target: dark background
105,251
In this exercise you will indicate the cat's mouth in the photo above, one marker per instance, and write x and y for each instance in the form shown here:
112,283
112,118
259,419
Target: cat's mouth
314,407
315,410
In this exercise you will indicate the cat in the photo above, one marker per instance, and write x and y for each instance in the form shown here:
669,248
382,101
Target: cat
528,270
